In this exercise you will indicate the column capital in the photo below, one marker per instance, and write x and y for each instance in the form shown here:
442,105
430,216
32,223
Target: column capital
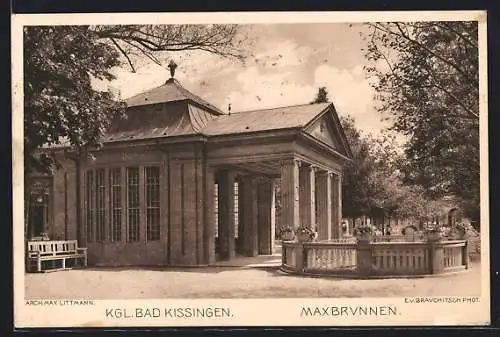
308,166
323,172
291,161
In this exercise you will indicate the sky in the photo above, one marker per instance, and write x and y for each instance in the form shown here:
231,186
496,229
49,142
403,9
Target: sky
287,63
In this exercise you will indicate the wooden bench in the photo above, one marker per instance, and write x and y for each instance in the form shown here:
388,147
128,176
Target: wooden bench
66,254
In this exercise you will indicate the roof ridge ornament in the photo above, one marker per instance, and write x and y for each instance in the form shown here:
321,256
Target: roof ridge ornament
172,65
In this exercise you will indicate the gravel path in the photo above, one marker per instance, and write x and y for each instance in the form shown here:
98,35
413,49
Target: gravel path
227,282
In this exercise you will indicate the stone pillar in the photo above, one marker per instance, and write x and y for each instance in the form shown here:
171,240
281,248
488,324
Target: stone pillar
364,258
337,206
290,193
436,257
324,192
266,223
209,228
226,214
307,195
249,211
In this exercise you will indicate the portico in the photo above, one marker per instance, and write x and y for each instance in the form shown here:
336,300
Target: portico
309,195
305,161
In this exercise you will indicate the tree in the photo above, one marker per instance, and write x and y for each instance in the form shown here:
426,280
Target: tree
321,96
149,41
426,79
356,187
60,62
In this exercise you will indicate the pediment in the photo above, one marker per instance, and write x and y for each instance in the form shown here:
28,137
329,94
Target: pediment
324,131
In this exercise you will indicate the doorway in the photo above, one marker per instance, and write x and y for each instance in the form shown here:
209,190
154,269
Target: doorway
37,215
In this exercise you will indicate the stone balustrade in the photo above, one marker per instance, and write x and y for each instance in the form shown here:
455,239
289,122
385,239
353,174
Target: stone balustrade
375,257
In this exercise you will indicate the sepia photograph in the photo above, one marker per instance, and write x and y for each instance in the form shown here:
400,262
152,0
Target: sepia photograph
197,169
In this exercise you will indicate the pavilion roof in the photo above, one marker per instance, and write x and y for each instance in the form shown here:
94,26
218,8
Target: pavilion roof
296,116
170,91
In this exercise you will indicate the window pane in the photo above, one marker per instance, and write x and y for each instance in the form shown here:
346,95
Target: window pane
100,205
89,202
133,218
115,177
152,177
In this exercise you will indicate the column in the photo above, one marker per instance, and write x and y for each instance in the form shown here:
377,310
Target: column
290,192
266,223
337,206
307,195
209,228
249,211
324,193
226,214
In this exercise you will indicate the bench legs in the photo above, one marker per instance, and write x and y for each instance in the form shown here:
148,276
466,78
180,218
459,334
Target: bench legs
80,260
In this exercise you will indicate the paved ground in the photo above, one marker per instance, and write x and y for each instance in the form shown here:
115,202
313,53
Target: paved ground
235,282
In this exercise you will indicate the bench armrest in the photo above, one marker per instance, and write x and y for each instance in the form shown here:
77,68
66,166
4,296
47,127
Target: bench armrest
82,250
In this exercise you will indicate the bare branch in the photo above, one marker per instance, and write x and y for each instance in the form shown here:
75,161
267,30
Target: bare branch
124,54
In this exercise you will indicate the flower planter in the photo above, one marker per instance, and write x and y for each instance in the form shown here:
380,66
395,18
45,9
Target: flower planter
434,236
464,235
364,239
287,236
304,238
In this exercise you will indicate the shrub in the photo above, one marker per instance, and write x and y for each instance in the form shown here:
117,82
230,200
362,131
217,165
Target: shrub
306,232
286,231
364,230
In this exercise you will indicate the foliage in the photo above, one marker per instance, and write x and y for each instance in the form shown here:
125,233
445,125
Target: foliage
426,78
306,233
364,230
356,187
372,183
59,102
465,227
321,96
286,231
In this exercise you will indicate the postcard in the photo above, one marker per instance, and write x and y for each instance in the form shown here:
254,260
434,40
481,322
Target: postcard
250,169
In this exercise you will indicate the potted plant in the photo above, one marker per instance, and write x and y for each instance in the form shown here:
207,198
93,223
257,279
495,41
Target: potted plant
434,233
306,233
364,232
287,233
464,229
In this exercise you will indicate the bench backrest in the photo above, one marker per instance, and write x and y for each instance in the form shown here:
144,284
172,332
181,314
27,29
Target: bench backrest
53,247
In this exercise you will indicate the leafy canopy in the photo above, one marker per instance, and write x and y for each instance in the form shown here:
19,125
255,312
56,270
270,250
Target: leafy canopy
426,79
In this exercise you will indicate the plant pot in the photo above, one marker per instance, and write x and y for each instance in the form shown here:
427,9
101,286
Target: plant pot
365,238
304,238
287,236
434,236
464,235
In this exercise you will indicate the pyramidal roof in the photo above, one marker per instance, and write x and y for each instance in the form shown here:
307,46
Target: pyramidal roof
171,91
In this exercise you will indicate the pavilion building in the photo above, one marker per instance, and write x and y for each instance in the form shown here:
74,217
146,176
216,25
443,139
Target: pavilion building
181,183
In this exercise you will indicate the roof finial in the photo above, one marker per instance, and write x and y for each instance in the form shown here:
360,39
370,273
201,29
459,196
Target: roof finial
172,65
